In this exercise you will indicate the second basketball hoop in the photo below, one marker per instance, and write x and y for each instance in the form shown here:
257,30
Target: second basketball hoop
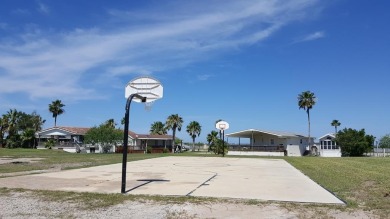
222,125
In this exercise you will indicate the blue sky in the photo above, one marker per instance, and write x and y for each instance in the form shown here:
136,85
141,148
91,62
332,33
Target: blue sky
241,61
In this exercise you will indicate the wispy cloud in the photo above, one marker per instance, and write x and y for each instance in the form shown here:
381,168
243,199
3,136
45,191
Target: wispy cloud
310,37
20,11
42,8
45,64
3,25
203,77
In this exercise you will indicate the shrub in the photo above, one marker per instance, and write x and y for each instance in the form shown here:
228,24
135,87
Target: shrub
354,142
50,143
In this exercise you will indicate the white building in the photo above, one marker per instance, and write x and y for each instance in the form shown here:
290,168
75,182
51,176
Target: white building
328,146
269,143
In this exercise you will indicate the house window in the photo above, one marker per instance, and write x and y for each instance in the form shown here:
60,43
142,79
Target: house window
301,141
272,141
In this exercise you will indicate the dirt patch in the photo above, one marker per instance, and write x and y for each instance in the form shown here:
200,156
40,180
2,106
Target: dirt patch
5,160
27,205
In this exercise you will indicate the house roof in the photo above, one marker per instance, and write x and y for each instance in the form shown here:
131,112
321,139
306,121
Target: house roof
82,131
71,130
249,132
332,135
162,137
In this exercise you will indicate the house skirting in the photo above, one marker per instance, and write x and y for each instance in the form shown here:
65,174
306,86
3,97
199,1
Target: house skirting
256,153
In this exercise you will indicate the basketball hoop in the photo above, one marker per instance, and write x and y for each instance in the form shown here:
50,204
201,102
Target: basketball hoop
142,90
148,106
147,87
222,125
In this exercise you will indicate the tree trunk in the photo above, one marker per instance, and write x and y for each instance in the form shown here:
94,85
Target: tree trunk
308,119
193,144
173,139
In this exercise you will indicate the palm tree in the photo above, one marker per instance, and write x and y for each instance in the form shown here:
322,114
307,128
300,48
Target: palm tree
306,101
56,107
211,139
158,128
3,128
194,129
13,116
28,137
335,123
174,122
110,123
37,123
220,131
212,136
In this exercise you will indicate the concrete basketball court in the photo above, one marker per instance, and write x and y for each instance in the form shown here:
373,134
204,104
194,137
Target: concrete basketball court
243,178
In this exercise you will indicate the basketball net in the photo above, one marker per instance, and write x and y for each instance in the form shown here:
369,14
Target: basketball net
148,105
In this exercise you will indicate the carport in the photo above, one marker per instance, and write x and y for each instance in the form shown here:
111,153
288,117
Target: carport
269,141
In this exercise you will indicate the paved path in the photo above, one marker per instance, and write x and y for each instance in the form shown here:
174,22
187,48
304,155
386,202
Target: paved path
246,178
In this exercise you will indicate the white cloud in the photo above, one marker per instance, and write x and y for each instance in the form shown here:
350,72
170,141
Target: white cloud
203,77
3,25
313,36
45,65
42,8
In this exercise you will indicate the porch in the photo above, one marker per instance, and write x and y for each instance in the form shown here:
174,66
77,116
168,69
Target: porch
248,147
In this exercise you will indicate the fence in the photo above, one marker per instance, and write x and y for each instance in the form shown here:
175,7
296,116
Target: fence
379,152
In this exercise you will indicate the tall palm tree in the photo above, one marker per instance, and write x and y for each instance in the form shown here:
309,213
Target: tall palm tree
335,123
174,122
158,128
56,107
306,101
194,129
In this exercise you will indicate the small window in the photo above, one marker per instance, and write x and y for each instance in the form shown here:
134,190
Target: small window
272,142
301,141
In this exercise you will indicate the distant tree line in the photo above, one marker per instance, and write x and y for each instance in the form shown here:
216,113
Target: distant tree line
17,129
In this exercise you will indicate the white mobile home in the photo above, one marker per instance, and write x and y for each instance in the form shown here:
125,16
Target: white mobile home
328,146
269,143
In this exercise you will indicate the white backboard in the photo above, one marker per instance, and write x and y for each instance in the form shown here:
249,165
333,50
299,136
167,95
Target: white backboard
147,87
222,125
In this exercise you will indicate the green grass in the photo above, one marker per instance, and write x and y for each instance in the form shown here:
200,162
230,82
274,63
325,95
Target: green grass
54,158
364,182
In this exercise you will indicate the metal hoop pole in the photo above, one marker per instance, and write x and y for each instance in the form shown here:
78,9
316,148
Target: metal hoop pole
223,143
126,138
